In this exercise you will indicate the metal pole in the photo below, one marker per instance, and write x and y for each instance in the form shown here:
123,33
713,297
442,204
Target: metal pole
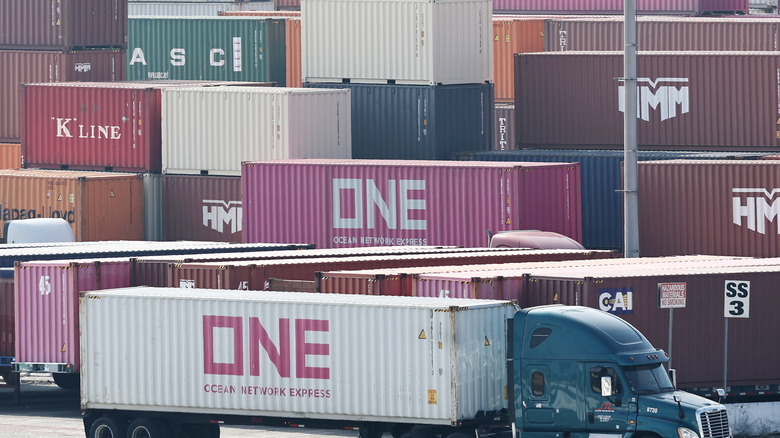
725,353
630,205
671,319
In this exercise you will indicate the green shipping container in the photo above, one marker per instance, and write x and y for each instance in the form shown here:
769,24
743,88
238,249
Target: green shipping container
206,48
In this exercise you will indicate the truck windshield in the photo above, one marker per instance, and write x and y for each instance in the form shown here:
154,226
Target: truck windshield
648,379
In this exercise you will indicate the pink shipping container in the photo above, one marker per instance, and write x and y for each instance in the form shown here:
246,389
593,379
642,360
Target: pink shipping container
686,100
698,329
676,7
25,66
712,207
201,208
378,202
47,318
63,25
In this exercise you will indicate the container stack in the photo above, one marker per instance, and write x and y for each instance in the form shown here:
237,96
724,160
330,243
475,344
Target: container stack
420,72
174,8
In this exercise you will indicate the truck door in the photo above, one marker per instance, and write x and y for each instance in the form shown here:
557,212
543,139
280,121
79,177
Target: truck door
606,414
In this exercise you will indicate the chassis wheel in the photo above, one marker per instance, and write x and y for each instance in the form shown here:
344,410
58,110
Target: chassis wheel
105,427
148,428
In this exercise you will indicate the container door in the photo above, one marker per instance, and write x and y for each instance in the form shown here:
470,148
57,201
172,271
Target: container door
605,399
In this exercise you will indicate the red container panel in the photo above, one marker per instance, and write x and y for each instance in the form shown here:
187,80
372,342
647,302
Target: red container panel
686,100
26,66
63,24
7,339
676,7
202,208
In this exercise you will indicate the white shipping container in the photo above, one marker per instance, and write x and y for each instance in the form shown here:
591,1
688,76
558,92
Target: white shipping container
211,131
422,42
193,9
293,355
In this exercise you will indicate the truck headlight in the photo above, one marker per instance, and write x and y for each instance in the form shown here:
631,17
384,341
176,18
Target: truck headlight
684,432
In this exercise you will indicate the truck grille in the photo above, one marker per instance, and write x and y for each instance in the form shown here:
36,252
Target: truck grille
714,423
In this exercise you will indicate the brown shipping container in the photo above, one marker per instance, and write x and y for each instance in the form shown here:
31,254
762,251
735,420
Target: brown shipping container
63,25
709,207
510,36
698,329
686,100
99,206
663,33
201,207
24,67
10,156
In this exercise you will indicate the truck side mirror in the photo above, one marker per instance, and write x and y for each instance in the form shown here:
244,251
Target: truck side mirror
673,377
606,386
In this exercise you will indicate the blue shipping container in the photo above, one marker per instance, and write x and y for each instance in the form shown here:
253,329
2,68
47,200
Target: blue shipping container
601,182
415,122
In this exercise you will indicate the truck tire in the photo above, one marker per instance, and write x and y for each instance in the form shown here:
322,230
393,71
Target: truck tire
148,428
105,427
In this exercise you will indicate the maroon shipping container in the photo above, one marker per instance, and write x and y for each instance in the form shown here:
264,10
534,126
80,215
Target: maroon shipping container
63,24
686,100
201,208
709,207
20,67
658,33
6,317
698,329
676,7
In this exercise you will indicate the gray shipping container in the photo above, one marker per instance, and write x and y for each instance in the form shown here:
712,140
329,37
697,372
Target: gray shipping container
416,122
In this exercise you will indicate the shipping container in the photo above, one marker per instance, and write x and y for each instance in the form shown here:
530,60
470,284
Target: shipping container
10,156
336,386
717,207
46,309
418,122
420,42
274,14
656,33
513,35
675,7
251,123
26,66
99,206
287,5
504,127
376,202
193,9
63,25
601,183
206,48
8,379
685,100
635,297
196,207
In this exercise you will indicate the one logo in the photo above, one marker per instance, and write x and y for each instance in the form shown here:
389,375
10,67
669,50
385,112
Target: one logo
663,94
755,211
356,203
619,301
217,214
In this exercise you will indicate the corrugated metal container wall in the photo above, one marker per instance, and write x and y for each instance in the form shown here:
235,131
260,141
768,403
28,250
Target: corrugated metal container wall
193,9
252,123
663,33
7,315
206,48
293,35
114,127
275,14
601,182
21,67
462,286
415,122
694,7
230,276
718,207
10,156
287,5
63,25
701,322
99,206
420,203
201,208
420,42
571,98
510,36
504,127
466,384
47,313
153,206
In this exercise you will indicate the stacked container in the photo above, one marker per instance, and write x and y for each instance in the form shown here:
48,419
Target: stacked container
194,9
10,156
429,63
677,7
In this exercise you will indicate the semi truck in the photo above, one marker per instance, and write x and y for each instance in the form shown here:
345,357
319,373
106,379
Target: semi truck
162,362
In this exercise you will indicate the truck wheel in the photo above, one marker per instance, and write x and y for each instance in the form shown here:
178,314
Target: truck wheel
105,427
148,428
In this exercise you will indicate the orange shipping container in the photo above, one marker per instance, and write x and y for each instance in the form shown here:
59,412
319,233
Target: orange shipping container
10,156
98,205
510,36
293,34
